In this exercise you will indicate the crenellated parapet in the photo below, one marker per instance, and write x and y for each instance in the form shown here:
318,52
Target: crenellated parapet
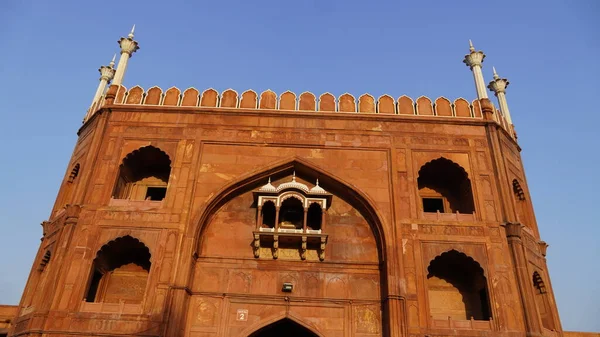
306,101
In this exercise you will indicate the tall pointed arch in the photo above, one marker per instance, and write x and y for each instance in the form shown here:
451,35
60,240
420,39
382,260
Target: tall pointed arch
285,320
302,167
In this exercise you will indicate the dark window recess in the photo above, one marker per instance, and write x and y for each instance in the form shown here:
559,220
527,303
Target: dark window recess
93,289
433,205
268,214
156,193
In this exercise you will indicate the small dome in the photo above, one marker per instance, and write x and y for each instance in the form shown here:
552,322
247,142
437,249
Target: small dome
317,189
293,184
268,187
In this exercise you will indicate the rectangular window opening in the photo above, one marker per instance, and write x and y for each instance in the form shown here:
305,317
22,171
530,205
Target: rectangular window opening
156,193
432,205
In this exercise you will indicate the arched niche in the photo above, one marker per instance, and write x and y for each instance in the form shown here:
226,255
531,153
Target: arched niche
143,175
445,187
457,288
119,272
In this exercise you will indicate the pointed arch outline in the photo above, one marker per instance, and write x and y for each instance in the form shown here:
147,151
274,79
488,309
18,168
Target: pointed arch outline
112,240
276,318
355,197
452,162
134,153
462,255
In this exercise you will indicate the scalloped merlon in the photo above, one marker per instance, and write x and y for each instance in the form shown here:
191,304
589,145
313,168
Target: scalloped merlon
153,96
347,103
443,107
135,95
268,100
366,103
172,97
406,106
327,102
249,99
386,105
210,98
190,97
121,92
229,99
424,106
287,101
462,108
308,101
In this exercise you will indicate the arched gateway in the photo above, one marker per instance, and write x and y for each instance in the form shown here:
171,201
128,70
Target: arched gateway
290,240
284,327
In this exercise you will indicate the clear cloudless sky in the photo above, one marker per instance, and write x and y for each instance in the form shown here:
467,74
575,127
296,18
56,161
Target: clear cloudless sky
549,50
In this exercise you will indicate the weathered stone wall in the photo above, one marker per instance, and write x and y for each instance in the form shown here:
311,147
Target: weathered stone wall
373,280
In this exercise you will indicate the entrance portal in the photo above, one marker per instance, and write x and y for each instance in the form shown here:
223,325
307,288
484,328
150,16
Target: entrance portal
284,327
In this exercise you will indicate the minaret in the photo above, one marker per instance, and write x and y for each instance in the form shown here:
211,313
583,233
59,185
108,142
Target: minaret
498,87
474,60
128,47
107,73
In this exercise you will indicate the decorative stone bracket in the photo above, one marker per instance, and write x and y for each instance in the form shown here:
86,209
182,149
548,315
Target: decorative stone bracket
303,241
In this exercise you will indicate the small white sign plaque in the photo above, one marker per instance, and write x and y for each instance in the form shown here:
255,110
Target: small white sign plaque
242,315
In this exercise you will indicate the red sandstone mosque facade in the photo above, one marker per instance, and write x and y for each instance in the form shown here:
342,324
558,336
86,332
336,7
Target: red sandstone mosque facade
223,214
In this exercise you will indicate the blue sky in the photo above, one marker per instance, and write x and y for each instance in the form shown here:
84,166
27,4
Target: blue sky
548,49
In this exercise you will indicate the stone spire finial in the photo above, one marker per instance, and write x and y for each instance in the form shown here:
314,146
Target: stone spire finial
498,86
128,47
474,61
131,33
112,62
107,73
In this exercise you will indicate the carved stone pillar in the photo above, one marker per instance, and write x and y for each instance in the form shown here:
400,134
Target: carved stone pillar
304,221
277,218
524,280
259,218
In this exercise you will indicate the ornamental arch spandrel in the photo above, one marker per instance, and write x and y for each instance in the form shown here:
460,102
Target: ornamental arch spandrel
355,237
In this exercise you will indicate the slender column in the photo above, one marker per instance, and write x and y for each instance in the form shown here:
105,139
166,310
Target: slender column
323,213
259,218
474,60
532,322
498,87
277,218
128,47
305,219
107,73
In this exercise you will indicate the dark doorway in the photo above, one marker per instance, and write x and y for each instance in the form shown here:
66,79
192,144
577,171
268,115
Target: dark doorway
285,327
